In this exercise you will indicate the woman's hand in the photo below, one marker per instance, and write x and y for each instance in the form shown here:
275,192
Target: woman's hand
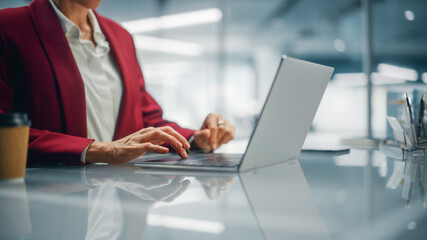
214,132
137,144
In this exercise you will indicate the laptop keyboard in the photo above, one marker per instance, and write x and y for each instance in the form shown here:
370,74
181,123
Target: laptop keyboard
209,159
216,160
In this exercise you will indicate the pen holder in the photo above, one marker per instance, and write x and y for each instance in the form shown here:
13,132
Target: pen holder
409,132
398,151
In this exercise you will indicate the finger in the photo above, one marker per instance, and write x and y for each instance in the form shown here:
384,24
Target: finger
182,153
201,139
212,125
223,139
222,130
149,147
228,135
157,142
128,153
203,134
178,136
158,134
226,138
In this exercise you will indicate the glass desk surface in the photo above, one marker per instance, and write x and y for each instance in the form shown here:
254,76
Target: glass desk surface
360,195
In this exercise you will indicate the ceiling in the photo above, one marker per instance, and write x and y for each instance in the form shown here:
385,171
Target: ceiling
327,30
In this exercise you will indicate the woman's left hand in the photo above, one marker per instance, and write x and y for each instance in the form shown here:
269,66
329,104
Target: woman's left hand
214,132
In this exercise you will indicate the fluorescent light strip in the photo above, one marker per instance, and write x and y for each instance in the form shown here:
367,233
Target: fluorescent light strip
174,21
359,79
167,45
397,72
350,79
381,79
186,224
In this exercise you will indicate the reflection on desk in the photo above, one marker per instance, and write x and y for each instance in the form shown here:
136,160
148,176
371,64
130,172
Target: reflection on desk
129,202
366,195
361,195
410,175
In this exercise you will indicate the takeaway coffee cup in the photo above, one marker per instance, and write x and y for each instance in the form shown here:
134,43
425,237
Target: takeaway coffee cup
14,130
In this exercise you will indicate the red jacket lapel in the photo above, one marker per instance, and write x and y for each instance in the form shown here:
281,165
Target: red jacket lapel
70,83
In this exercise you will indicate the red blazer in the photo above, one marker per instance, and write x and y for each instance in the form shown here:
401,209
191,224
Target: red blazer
39,76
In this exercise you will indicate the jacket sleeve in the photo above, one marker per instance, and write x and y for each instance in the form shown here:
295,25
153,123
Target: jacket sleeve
44,147
47,147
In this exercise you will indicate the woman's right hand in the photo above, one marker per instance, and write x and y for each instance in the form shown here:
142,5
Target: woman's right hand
137,144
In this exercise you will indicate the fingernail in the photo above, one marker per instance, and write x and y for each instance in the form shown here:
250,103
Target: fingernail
214,147
187,145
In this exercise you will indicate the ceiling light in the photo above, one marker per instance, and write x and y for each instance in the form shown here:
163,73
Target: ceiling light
411,225
339,45
397,72
380,79
409,15
167,45
174,21
350,79
359,79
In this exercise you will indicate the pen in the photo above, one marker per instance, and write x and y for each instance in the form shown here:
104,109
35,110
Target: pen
420,118
408,104
411,118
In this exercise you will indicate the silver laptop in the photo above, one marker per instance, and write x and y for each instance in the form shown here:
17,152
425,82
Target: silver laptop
280,132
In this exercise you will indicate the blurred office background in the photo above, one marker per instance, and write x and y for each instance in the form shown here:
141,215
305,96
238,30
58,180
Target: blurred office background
201,56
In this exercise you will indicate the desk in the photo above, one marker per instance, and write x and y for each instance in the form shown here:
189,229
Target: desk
360,195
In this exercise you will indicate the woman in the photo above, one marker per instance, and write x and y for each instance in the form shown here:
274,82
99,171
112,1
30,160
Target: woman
77,76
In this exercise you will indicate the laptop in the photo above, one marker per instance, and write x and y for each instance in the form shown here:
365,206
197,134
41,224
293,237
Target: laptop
281,129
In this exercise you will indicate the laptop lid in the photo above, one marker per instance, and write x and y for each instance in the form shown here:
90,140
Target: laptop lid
287,114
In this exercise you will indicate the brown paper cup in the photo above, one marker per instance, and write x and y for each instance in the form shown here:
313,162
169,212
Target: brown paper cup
13,151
